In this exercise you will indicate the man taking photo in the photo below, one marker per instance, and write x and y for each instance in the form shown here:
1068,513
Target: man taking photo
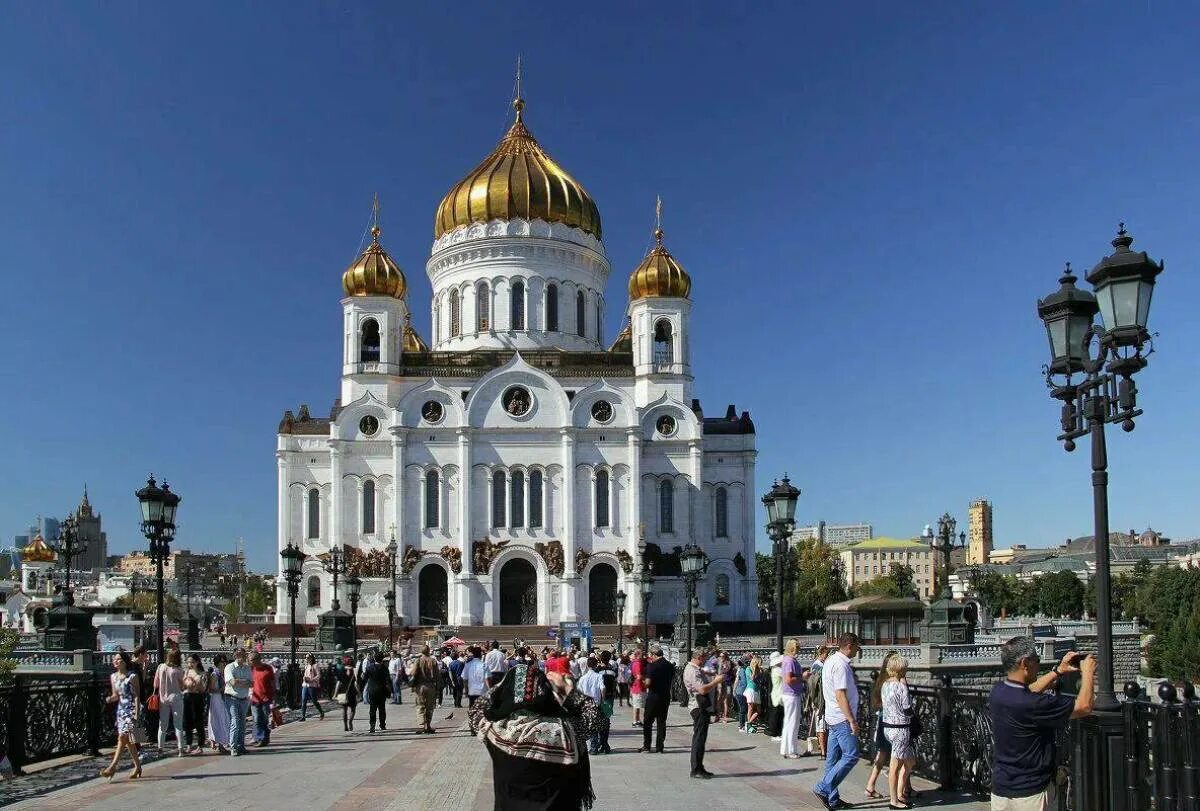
1026,712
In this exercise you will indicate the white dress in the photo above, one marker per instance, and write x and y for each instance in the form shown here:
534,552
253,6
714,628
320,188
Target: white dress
897,709
218,715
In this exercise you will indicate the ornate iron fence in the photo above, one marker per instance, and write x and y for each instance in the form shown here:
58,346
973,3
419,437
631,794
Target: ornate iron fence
43,718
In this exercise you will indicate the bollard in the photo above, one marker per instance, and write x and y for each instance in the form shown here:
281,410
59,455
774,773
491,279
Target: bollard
1168,796
1190,776
1133,745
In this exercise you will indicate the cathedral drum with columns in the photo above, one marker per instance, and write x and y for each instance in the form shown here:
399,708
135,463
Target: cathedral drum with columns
516,460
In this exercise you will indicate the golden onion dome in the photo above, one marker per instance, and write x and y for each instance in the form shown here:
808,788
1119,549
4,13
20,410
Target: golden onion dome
659,274
38,552
374,273
412,341
518,180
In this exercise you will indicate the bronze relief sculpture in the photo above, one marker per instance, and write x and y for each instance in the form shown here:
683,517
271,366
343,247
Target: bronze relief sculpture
484,553
453,556
411,556
552,553
626,561
581,560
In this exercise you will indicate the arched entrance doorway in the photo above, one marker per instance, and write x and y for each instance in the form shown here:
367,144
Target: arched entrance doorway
432,591
602,594
518,593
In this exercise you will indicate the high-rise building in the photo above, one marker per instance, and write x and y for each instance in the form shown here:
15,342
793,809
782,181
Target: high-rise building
979,534
838,535
95,556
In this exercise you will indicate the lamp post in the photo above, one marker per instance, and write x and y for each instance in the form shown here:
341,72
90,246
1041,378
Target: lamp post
68,546
620,621
68,627
336,565
693,563
944,543
647,584
389,598
354,589
158,505
293,560
393,551
1123,283
780,502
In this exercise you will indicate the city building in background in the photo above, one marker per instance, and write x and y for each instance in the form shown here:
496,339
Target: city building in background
979,531
95,556
837,535
866,560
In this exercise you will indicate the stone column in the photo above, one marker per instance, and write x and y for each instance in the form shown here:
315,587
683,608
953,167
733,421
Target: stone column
399,444
465,581
569,609
695,497
334,531
285,606
633,591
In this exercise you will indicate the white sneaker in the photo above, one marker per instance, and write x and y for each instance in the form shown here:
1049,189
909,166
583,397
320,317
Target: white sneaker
778,740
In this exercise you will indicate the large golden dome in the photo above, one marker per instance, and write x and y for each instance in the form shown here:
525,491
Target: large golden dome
517,181
659,274
374,273
38,552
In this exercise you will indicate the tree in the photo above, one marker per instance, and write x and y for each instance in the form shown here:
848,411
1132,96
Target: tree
814,580
8,640
879,586
998,591
257,598
1060,594
146,602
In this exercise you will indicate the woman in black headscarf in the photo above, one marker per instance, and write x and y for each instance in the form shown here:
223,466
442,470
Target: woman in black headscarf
533,730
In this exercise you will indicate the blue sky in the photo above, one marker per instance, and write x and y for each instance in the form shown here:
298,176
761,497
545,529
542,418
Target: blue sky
869,198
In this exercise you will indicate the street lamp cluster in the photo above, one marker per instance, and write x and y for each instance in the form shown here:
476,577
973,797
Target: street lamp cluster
693,563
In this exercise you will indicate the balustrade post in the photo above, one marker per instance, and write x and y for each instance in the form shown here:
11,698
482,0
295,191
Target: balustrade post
945,734
94,714
18,732
1190,788
1164,767
1134,750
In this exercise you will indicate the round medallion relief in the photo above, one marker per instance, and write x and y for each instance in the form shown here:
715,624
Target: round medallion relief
432,411
517,401
602,410
368,425
665,425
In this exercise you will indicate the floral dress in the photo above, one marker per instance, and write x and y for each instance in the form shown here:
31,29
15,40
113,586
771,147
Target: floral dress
124,689
897,716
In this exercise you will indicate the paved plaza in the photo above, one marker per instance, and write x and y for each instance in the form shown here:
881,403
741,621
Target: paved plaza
314,765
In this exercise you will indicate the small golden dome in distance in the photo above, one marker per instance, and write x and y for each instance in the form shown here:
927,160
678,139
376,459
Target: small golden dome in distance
38,552
374,273
659,274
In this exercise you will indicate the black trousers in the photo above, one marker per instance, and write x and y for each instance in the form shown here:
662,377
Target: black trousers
700,719
656,714
457,689
379,708
195,718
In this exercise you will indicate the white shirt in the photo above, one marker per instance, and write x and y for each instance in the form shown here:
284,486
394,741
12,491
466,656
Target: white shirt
395,666
474,673
235,671
838,674
592,685
494,661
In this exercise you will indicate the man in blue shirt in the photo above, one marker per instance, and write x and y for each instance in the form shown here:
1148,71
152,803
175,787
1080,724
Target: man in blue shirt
1026,713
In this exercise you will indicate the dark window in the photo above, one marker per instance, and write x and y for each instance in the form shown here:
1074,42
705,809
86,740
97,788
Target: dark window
721,497
518,306
599,335
314,591
517,500
666,507
552,308
368,508
602,499
499,498
482,306
535,498
722,589
579,308
433,499
314,513
663,349
368,346
455,314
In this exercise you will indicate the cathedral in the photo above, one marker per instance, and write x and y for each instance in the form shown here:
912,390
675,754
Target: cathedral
526,470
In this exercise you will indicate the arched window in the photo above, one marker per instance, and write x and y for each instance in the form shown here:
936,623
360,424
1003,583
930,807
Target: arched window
314,591
517,306
516,500
579,308
602,498
599,333
535,498
722,589
663,349
368,508
551,308
499,498
482,308
666,506
368,343
721,504
433,500
455,314
314,513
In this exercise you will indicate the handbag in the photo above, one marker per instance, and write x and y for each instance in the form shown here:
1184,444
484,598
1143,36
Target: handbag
153,703
341,697
276,718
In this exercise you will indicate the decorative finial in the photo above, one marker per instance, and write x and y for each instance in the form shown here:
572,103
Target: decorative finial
518,100
375,231
658,230
1068,276
1123,240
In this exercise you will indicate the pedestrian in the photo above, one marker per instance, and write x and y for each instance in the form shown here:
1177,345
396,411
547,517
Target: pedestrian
125,693
396,671
591,684
739,691
378,685
623,680
454,670
494,661
238,680
660,675
841,719
1027,712
262,695
310,687
168,686
897,722
475,677
345,691
195,716
142,669
702,690
721,698
883,747
815,702
637,689
789,669
752,696
775,721
218,712
425,678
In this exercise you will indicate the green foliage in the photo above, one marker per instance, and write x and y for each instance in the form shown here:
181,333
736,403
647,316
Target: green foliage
898,582
8,640
258,599
1175,651
998,591
1060,594
814,579
146,602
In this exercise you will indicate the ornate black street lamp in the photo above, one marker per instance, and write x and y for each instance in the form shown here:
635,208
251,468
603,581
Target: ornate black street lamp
620,621
68,546
780,502
336,565
1106,393
389,598
68,627
947,621
393,552
354,589
334,626
944,543
647,584
293,560
185,581
693,563
158,525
